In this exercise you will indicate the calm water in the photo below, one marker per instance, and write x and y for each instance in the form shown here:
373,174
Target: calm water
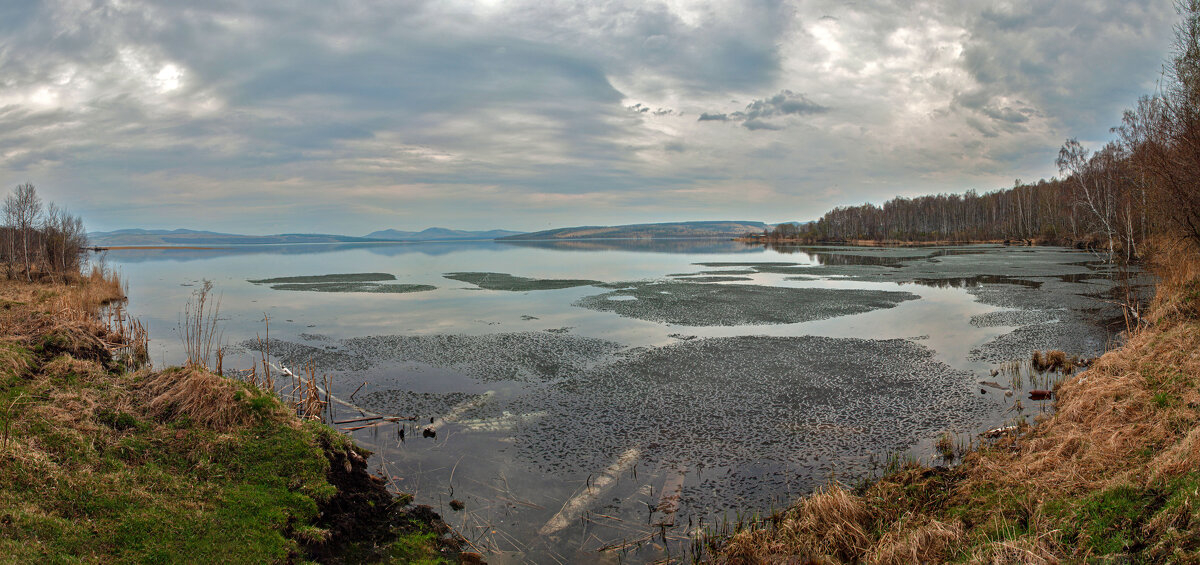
655,400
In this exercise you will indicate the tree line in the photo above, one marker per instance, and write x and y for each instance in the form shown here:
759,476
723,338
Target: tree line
1144,183
39,239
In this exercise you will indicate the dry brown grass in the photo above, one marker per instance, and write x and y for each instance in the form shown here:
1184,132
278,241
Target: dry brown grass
827,526
205,398
1177,265
919,541
66,366
82,317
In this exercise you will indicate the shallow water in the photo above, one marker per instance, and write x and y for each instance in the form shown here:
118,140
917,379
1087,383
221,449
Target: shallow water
586,395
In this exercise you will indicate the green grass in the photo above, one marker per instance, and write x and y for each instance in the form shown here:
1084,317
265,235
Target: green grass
1109,520
150,497
115,485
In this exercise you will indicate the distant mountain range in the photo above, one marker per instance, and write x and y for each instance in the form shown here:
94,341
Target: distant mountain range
646,231
439,234
199,238
195,238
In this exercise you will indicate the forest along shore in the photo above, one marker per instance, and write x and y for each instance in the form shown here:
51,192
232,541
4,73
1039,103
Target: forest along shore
771,241
102,459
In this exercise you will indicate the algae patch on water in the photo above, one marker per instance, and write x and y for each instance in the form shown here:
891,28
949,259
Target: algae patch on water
334,278
344,282
357,287
761,415
697,304
519,356
505,281
714,279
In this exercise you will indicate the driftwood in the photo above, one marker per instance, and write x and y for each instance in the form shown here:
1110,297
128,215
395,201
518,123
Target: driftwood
1040,394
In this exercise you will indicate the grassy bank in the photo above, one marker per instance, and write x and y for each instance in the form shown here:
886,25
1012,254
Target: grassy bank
99,463
1112,476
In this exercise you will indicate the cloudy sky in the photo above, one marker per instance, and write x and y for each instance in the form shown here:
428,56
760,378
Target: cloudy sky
349,116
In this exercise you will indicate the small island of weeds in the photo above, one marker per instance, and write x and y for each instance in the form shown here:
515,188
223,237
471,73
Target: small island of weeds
344,282
103,462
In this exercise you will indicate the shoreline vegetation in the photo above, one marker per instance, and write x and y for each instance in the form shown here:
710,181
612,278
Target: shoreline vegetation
802,241
103,459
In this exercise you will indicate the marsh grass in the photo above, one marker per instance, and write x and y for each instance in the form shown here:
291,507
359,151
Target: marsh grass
1054,360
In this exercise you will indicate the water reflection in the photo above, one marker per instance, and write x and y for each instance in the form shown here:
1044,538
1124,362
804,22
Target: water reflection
970,282
690,246
388,249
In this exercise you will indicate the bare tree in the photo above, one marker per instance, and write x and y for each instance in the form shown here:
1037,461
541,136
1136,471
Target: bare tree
22,211
64,240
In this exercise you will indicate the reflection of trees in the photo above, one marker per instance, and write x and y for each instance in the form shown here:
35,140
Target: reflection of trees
434,248
825,257
971,282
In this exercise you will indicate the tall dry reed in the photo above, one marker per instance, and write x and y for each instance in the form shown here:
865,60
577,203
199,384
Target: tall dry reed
198,326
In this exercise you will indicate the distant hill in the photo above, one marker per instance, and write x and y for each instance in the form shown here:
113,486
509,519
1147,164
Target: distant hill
675,245
440,234
182,237
646,231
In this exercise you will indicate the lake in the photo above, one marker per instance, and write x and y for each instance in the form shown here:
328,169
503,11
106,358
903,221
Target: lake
604,401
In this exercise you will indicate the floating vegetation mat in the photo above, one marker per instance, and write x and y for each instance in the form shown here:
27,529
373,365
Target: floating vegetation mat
759,416
714,279
1072,334
1014,318
1050,295
695,304
297,355
519,356
357,287
344,282
757,265
419,404
929,265
720,272
504,281
336,278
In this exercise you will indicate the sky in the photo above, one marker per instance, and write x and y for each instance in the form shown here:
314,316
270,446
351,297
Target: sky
341,116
